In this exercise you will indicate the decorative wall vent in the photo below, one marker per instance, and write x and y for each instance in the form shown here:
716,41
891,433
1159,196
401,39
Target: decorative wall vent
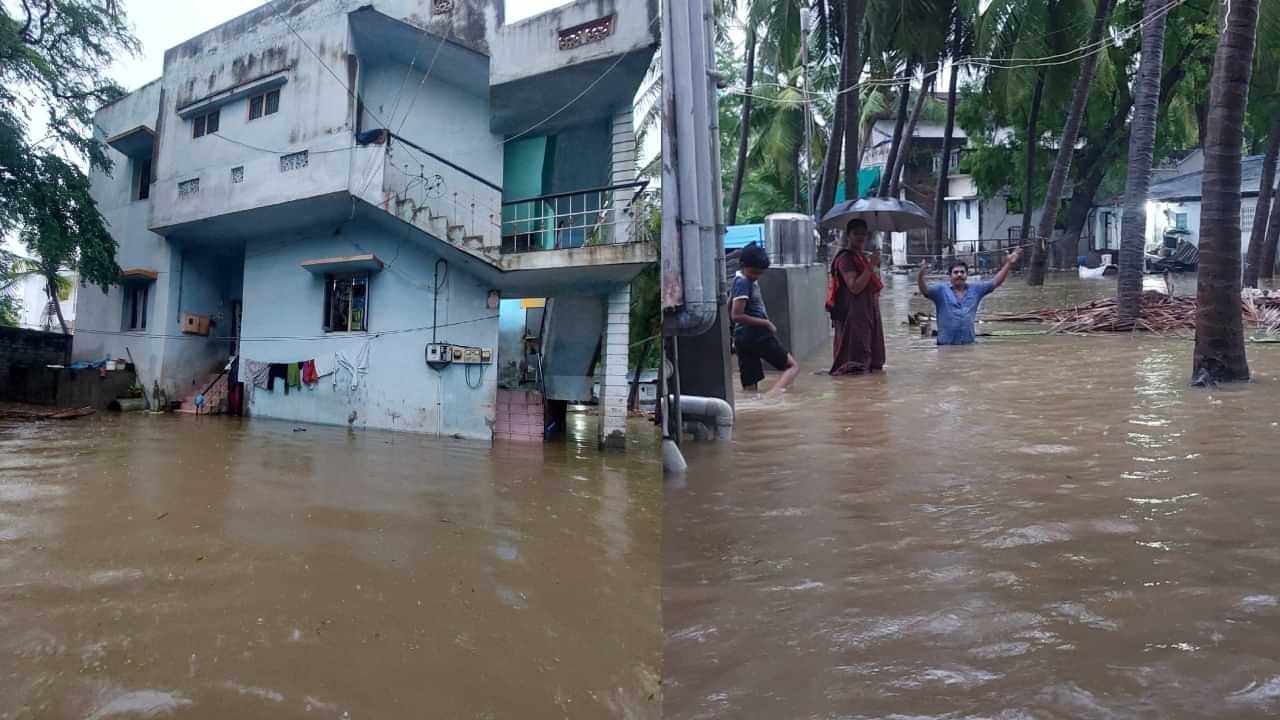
187,188
237,174
441,7
587,33
294,161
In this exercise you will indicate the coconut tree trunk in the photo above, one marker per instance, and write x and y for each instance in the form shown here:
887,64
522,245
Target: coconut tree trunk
904,96
938,236
1142,143
1267,267
1219,351
831,163
744,128
51,289
904,147
1067,148
1033,120
1258,237
854,54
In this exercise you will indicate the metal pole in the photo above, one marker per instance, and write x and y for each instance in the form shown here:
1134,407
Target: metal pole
808,115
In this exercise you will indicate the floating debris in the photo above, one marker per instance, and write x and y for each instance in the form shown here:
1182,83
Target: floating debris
1162,314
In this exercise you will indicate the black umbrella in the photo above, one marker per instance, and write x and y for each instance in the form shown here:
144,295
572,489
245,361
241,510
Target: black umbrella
880,214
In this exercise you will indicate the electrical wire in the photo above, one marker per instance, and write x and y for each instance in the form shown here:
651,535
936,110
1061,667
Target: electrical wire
220,136
282,338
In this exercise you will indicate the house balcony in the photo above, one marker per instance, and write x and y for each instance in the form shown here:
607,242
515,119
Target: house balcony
590,239
591,53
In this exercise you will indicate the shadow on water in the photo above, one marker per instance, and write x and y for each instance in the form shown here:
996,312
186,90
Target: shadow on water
1027,527
214,567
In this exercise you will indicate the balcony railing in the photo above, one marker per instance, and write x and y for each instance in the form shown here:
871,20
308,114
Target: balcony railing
613,215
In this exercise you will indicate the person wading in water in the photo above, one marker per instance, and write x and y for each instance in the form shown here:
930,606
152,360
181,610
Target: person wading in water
957,302
853,299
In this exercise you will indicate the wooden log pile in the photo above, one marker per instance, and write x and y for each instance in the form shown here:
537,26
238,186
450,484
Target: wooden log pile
1163,314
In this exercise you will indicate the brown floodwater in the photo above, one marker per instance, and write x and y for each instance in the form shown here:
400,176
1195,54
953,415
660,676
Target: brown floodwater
1030,527
161,566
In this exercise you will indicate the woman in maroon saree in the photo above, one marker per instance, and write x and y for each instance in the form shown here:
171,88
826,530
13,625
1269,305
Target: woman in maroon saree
859,338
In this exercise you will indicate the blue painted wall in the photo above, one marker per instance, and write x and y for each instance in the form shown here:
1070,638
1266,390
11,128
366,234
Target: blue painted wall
450,121
399,392
511,322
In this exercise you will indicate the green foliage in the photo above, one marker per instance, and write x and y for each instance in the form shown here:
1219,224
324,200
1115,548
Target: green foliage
52,60
646,305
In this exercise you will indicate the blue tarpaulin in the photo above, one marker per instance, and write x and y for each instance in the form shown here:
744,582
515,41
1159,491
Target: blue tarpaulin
739,236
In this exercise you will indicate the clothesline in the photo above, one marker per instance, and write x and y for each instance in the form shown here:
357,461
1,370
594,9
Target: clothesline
308,372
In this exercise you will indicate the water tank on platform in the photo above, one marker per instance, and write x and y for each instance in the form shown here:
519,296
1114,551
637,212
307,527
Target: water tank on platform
789,239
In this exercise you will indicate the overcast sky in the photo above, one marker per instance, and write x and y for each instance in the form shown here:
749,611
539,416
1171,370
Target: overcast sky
162,24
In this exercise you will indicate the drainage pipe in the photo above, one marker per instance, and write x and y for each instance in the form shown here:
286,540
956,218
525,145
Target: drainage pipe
692,249
711,411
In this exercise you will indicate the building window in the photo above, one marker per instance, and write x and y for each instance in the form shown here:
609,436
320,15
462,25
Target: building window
267,103
967,211
955,159
135,305
1015,234
144,179
1012,205
206,124
237,174
187,188
346,303
1180,221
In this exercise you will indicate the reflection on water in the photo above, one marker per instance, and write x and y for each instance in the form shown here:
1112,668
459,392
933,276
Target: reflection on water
1031,527
216,568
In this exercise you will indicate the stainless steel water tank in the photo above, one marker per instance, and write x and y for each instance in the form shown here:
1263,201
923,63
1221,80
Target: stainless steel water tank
789,239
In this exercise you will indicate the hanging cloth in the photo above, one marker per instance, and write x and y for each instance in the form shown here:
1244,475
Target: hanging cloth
294,379
280,371
356,366
309,376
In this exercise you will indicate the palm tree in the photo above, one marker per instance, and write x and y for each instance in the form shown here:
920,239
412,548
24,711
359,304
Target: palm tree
904,149
855,55
1219,352
744,126
1066,147
1262,211
1142,142
961,15
1264,106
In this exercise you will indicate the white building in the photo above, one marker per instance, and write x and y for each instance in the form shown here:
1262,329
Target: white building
36,311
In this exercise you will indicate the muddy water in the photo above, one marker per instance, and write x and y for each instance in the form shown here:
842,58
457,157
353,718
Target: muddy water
1031,527
217,568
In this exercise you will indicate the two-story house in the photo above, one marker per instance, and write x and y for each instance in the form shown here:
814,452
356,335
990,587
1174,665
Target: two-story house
360,184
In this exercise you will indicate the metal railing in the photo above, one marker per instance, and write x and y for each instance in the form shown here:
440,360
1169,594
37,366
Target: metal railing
613,215
441,196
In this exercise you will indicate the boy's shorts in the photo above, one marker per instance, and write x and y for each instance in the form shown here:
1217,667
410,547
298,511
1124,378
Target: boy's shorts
751,351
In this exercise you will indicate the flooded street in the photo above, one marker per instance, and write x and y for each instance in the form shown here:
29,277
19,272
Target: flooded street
160,566
1031,527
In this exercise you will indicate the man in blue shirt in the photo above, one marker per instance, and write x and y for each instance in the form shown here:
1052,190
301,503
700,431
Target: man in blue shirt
957,302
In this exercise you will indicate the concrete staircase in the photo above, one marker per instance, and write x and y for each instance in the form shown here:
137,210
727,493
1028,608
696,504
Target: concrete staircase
215,401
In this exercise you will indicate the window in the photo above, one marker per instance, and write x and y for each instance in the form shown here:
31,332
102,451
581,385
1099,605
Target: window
1180,221
144,179
1013,205
206,124
966,210
1015,234
346,303
135,305
267,103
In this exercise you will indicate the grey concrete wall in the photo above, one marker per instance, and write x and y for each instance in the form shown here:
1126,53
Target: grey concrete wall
795,297
29,349
61,387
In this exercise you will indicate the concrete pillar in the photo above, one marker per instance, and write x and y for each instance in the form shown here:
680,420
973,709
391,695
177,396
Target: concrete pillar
613,371
623,170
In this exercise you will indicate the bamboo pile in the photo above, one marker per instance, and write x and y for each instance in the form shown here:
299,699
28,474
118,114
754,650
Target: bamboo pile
1162,314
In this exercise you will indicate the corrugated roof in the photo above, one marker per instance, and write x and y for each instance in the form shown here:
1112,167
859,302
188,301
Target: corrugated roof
1187,187
882,132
